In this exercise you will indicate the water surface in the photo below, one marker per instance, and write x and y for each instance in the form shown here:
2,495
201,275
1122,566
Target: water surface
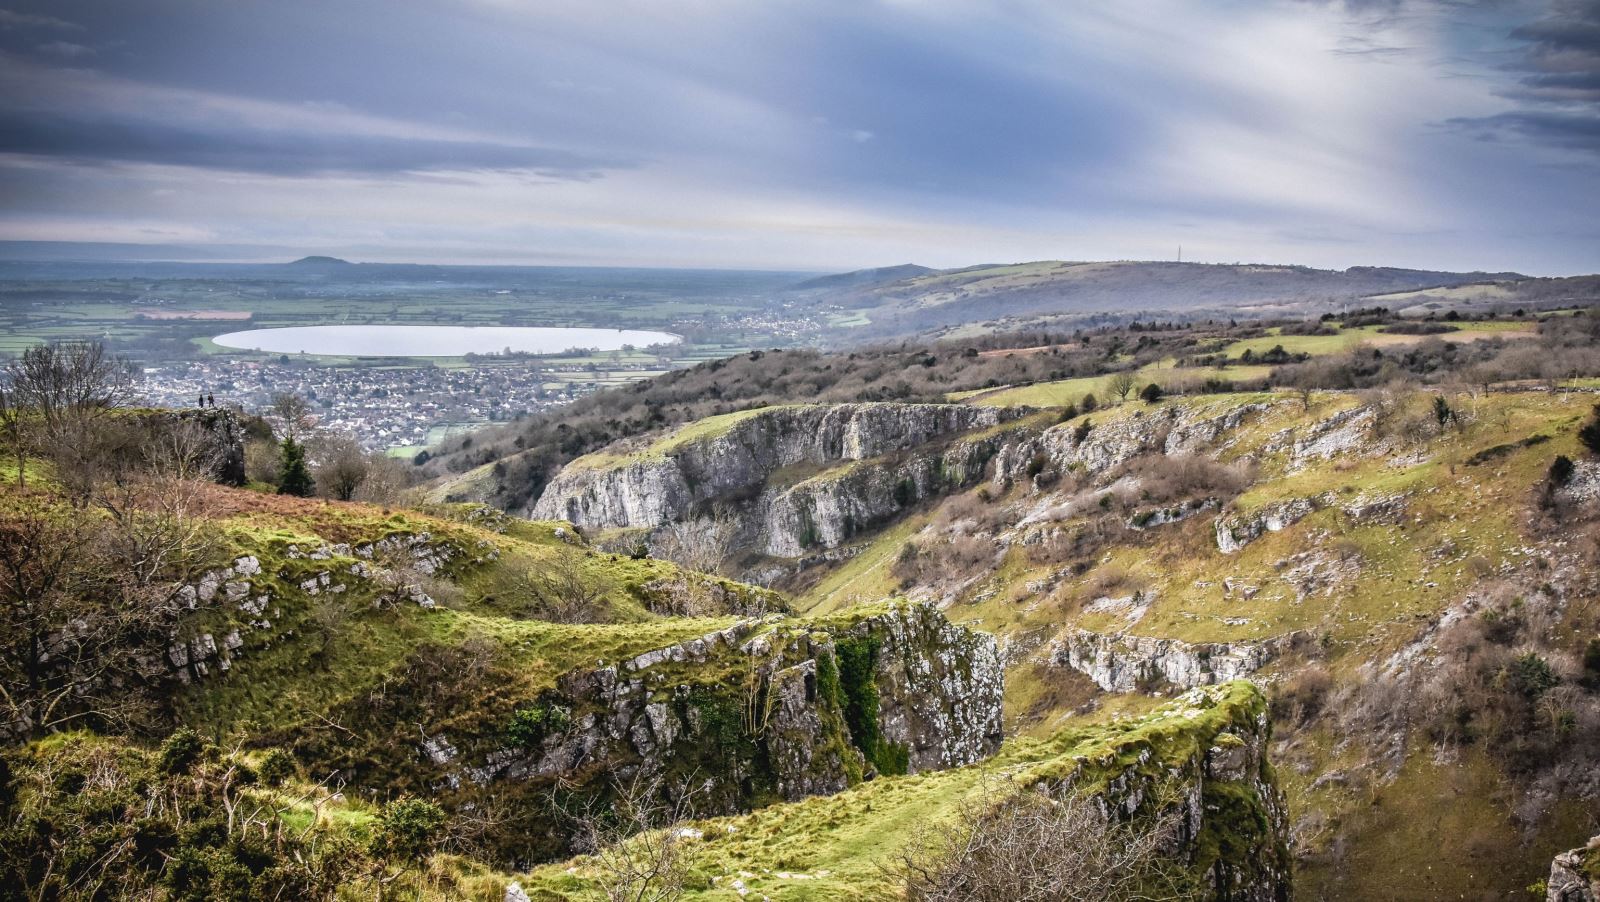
436,341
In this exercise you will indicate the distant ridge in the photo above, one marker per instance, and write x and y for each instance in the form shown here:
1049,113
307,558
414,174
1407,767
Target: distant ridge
862,277
317,260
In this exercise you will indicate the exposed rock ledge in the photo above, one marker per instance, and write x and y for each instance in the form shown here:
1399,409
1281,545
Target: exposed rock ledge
1206,756
650,489
1575,875
795,708
1124,663
799,479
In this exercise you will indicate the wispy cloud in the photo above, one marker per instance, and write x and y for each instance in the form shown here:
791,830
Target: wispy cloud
810,135
10,19
1557,92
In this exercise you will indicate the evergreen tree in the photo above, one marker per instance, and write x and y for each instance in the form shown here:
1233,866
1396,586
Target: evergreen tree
1589,434
294,478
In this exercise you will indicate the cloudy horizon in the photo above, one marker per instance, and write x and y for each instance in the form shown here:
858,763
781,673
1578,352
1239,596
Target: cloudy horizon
1443,134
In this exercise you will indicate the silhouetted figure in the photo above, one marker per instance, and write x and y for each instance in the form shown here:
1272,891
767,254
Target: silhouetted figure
211,398
202,402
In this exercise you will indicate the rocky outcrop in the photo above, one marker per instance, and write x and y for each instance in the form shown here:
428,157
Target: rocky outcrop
1124,663
1235,532
1345,432
248,593
825,511
1575,875
1173,429
790,708
223,430
875,460
1203,759
1584,484
654,486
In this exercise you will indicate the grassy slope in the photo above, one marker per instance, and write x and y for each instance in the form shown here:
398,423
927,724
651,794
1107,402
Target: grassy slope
1463,521
1070,391
834,847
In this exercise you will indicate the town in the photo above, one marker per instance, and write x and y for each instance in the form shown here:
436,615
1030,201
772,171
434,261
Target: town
383,408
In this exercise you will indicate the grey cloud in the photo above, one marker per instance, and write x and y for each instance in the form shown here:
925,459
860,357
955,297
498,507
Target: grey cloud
1559,87
10,19
1576,131
276,152
66,49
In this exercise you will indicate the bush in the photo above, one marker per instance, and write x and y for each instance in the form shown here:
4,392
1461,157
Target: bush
1025,845
529,726
180,751
1589,433
1561,470
1531,675
408,829
1150,394
277,766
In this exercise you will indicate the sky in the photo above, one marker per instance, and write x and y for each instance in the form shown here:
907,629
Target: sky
811,135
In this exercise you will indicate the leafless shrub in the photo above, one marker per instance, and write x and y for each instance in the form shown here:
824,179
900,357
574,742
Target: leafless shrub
340,466
562,590
1008,846
1120,384
1113,578
261,462
635,841
387,481
1301,697
291,414
1171,477
702,544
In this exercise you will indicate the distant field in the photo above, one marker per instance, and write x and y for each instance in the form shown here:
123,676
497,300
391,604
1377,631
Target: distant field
1071,391
1369,335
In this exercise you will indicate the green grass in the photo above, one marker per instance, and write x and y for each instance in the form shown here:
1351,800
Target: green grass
1319,345
1071,391
834,847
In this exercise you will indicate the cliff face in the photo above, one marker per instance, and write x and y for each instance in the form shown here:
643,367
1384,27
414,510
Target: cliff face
223,428
769,708
1575,875
874,460
1124,663
1205,757
1169,430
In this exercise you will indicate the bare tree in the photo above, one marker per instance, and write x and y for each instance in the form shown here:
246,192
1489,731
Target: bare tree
293,413
1120,384
702,544
1006,846
701,547
636,841
14,430
561,589
58,392
340,466
388,480
70,378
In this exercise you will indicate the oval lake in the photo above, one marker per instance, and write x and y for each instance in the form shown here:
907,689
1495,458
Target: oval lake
436,341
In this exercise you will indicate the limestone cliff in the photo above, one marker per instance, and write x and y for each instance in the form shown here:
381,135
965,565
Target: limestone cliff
1093,449
857,464
767,708
1575,875
1206,758
1125,663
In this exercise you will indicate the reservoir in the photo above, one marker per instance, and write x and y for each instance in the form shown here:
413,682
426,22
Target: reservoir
436,341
